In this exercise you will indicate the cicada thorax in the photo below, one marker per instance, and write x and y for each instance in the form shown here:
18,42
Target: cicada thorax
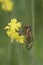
29,37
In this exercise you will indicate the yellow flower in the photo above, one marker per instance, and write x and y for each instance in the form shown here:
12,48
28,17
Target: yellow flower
21,39
12,34
14,25
7,5
13,31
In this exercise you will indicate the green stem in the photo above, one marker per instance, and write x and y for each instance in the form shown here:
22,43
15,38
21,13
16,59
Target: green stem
33,20
8,55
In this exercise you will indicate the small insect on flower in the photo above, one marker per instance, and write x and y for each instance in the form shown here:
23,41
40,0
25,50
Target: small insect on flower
29,37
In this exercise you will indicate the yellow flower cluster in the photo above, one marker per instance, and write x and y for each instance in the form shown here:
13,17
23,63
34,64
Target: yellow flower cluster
13,31
7,5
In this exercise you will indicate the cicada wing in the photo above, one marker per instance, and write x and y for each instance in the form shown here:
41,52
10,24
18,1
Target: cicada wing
29,46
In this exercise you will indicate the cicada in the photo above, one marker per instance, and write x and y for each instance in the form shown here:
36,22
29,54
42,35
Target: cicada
29,36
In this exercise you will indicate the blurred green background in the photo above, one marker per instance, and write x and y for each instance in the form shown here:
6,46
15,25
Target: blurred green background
28,12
